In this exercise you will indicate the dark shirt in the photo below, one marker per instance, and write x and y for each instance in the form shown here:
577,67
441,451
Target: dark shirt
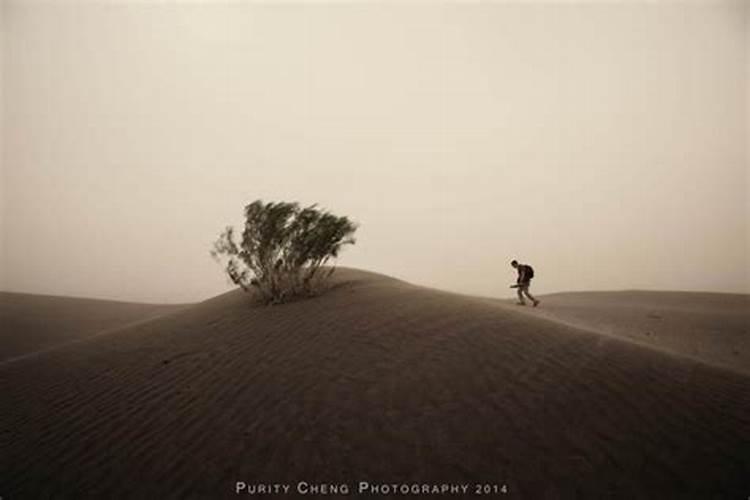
522,274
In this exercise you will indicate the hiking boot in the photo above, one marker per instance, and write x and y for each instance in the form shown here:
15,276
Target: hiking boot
520,303
536,302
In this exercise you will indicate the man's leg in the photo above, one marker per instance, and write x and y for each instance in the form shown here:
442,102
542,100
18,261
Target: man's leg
520,294
531,297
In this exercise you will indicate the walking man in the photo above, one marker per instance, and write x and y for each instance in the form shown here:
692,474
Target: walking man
525,273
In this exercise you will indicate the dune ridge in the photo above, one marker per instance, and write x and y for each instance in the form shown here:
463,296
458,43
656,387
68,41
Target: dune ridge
35,323
377,380
712,328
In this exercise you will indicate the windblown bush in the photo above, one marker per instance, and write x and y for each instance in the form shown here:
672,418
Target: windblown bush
283,248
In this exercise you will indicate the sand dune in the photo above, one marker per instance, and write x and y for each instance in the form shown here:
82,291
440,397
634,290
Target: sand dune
711,327
32,323
376,381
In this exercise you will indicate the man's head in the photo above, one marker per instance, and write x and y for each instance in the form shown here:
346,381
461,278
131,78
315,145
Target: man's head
514,263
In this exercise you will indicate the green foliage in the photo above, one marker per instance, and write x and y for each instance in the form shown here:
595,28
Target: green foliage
283,248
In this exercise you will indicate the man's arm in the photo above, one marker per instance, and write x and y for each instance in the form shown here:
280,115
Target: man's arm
521,274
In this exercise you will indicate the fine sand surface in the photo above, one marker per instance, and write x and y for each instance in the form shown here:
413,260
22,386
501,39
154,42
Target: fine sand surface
34,323
377,381
712,327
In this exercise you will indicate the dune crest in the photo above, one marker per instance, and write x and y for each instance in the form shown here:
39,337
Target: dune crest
713,328
36,323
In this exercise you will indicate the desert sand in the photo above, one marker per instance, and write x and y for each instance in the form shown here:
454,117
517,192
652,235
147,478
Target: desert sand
710,327
30,324
382,381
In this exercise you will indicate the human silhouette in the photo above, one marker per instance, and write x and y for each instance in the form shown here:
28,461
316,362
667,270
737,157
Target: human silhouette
525,274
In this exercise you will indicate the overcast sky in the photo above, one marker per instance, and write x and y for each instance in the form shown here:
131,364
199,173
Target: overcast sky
605,144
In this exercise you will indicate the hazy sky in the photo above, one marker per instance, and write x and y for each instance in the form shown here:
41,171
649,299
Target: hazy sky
604,143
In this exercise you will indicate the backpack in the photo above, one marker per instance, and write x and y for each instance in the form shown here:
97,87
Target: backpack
529,272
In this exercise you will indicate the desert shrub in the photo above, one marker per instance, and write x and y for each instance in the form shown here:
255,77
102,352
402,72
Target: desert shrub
283,249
